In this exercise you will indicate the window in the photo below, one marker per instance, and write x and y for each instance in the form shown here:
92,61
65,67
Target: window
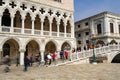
78,26
99,29
119,29
79,42
58,0
86,33
86,24
111,28
79,35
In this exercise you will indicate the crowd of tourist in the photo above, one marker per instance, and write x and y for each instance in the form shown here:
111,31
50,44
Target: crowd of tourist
30,60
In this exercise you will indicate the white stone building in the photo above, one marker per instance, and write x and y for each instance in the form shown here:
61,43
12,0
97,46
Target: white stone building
35,26
103,29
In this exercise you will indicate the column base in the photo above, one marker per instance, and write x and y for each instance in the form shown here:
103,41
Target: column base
94,63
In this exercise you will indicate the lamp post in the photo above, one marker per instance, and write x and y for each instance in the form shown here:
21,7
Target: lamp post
94,57
92,47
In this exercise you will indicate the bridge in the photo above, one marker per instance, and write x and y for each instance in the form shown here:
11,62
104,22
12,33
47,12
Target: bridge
110,52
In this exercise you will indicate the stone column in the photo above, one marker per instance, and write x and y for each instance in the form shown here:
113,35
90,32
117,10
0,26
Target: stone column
116,30
50,28
11,29
33,26
92,28
106,26
23,19
22,52
42,27
58,29
0,23
65,30
42,55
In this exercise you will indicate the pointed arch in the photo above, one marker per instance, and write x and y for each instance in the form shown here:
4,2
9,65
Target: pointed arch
68,27
28,21
37,23
54,25
61,26
46,24
6,20
17,20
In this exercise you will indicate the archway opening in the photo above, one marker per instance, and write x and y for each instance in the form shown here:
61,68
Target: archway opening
66,46
28,22
61,26
32,48
46,24
11,48
68,27
54,25
6,20
17,20
50,47
113,42
116,59
37,23
100,43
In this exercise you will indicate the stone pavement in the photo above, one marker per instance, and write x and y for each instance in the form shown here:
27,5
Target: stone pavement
65,72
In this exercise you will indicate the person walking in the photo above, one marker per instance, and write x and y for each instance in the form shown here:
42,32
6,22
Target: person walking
7,63
66,54
49,58
26,63
54,56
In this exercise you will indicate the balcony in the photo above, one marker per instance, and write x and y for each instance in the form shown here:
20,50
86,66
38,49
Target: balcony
6,29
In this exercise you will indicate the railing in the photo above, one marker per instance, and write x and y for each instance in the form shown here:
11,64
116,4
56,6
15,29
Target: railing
6,29
28,31
17,30
61,34
68,34
54,33
89,53
46,33
37,32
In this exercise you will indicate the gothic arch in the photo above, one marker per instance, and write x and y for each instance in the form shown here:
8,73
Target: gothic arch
66,45
28,21
18,20
46,25
116,58
16,39
54,25
37,23
6,18
36,40
50,47
68,27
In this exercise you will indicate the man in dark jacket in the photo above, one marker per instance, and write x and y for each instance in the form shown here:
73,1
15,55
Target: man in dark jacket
26,63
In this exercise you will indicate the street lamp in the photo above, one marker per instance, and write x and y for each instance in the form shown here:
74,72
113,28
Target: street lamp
94,57
92,47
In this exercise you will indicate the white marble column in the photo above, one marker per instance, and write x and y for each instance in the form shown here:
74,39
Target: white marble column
92,28
50,34
0,23
106,26
42,55
11,30
65,30
23,24
22,57
42,27
58,29
116,30
33,26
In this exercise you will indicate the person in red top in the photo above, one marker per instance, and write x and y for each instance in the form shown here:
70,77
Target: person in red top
54,56
66,54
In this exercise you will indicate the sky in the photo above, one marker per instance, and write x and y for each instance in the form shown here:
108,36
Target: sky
87,8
